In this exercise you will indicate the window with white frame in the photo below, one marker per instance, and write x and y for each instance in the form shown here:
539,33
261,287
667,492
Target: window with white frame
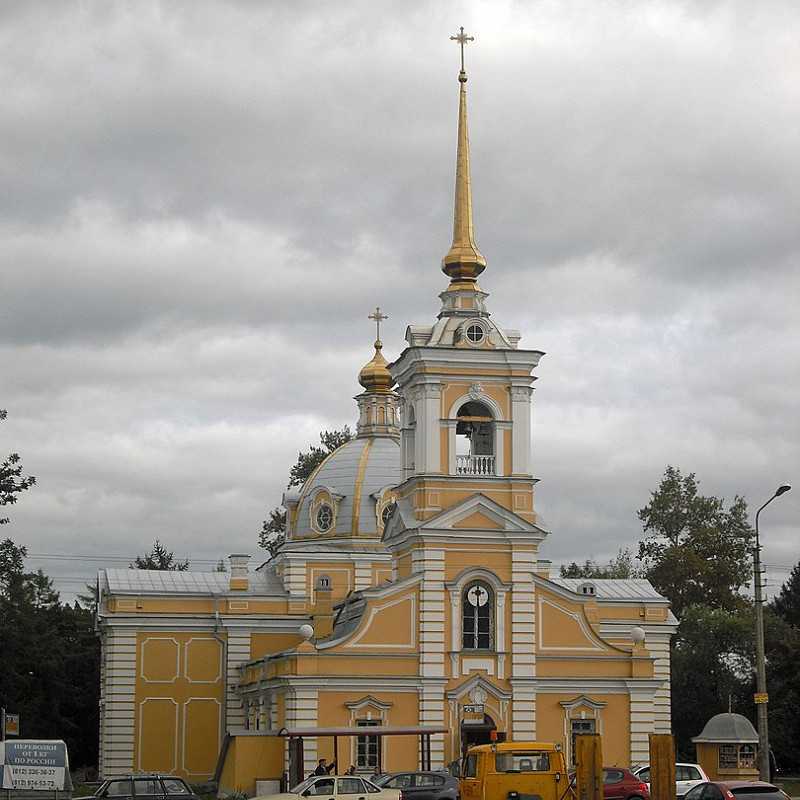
477,616
368,748
579,727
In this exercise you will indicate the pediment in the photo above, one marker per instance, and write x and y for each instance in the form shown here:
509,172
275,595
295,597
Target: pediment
479,513
478,519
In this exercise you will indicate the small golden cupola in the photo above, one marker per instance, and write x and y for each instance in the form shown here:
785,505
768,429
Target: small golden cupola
378,414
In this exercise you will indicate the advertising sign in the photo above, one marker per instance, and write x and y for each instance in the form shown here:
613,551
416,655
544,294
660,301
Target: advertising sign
34,765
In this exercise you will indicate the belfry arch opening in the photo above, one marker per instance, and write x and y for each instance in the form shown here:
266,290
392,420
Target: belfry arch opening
475,445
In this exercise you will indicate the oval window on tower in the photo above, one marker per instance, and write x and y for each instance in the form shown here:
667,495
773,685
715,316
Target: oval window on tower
324,518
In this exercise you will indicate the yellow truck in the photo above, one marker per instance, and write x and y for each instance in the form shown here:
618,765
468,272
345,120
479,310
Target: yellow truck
515,771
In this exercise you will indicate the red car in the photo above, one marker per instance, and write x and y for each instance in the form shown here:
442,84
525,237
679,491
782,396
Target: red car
622,784
735,790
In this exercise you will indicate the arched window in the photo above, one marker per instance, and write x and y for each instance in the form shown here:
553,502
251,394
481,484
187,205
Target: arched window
474,440
477,616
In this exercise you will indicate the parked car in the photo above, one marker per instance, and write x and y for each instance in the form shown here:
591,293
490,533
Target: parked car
686,776
735,790
145,787
421,785
336,787
622,784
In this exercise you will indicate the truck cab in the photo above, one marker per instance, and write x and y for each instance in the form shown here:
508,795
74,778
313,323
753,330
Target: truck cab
514,771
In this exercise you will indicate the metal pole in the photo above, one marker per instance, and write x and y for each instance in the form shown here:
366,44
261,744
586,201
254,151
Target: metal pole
761,666
762,698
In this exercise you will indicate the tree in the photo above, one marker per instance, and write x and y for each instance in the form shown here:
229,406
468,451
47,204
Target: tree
51,659
782,645
697,552
308,462
621,566
712,667
11,480
159,558
273,530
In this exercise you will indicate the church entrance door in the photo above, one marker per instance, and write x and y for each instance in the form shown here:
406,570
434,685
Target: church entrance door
473,733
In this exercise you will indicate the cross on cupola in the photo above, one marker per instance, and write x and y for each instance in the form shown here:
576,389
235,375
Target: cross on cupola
377,402
377,317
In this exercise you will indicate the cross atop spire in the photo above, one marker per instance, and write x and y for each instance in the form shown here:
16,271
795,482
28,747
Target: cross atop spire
377,317
462,39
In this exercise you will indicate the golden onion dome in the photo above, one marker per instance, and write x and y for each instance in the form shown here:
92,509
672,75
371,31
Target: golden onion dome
374,376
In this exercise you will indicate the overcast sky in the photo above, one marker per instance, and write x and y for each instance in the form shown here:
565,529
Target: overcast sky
203,201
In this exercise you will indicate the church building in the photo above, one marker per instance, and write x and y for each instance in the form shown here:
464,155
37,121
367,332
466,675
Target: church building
408,614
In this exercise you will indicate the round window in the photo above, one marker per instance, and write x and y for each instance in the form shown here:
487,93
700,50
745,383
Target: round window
475,333
324,517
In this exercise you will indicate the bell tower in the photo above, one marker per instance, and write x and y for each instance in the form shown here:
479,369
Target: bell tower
465,386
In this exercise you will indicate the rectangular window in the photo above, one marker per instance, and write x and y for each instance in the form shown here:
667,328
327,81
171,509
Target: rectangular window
368,748
729,757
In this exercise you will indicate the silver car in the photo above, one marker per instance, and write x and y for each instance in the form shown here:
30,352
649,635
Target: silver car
336,787
686,776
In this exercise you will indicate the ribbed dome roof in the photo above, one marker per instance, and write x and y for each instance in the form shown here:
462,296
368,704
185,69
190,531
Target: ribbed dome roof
374,376
350,476
728,728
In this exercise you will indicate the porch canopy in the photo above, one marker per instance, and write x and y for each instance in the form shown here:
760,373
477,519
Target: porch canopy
423,731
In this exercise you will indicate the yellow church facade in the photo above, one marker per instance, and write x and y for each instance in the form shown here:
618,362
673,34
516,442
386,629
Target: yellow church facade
409,613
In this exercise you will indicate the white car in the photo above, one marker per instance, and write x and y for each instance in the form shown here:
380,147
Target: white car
686,776
336,787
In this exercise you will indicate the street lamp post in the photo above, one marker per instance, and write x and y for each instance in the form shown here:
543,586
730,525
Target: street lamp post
761,697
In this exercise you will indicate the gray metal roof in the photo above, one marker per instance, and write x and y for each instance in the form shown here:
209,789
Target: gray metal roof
341,473
728,728
614,588
159,582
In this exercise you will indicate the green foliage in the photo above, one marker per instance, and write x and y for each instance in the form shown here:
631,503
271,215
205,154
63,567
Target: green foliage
697,552
89,599
621,566
712,664
273,530
782,644
308,462
11,480
159,558
51,659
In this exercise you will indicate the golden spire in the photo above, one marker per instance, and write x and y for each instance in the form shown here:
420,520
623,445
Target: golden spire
464,262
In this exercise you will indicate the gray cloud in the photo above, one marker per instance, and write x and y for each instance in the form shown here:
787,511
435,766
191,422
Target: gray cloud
203,201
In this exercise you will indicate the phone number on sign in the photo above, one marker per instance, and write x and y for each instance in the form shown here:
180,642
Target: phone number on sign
43,772
34,783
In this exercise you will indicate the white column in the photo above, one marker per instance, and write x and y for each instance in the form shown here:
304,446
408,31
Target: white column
521,435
